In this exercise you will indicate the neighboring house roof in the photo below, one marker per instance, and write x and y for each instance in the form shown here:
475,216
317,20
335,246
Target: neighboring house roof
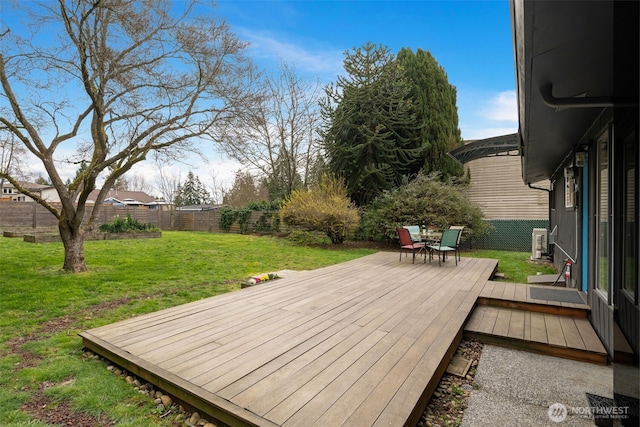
31,186
46,192
124,197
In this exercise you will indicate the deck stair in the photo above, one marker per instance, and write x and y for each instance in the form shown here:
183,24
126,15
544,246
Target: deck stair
541,319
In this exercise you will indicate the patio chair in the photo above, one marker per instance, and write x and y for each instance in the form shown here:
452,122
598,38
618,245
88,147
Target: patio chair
406,244
413,231
461,228
447,244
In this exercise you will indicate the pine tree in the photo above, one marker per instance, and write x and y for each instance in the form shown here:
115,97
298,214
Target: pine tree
370,134
244,190
436,111
192,192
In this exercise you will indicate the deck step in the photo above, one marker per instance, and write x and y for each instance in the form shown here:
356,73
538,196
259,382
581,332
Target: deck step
546,279
526,297
546,333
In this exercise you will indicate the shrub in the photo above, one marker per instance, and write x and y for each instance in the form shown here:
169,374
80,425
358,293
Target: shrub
425,200
269,221
227,217
242,217
128,224
324,208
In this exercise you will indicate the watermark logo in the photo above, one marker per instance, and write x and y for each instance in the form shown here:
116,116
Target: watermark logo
557,412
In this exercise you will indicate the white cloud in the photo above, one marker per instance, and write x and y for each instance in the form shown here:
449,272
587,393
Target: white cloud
481,133
321,61
502,107
485,115
223,171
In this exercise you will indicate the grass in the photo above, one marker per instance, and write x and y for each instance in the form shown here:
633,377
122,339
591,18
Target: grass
516,266
43,309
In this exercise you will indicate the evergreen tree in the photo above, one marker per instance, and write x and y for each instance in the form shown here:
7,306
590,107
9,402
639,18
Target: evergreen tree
42,180
436,111
192,192
370,133
244,191
283,180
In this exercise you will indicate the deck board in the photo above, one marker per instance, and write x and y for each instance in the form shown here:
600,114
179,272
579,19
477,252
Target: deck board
554,330
552,334
357,344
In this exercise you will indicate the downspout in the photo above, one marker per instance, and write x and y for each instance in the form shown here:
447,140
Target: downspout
539,188
548,204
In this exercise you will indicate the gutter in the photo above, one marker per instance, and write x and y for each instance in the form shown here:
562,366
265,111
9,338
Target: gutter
559,104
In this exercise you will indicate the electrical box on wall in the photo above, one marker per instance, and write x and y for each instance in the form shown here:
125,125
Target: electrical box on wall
569,187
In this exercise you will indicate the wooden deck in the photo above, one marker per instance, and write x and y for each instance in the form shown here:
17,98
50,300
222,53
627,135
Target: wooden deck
507,315
363,343
517,295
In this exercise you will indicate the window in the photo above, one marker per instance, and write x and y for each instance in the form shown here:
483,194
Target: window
602,214
630,224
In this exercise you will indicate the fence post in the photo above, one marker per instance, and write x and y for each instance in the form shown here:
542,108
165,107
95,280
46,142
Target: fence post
35,215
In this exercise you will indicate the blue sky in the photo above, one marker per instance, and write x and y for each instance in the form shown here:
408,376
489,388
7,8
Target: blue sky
471,40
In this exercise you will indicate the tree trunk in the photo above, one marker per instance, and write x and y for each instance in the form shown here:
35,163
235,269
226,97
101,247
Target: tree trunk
73,241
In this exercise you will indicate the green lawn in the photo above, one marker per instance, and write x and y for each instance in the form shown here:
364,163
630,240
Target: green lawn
43,309
516,266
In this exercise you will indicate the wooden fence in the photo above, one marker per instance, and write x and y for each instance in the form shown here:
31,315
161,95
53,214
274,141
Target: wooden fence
32,215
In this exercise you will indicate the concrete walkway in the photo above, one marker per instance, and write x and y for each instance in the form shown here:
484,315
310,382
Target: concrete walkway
517,388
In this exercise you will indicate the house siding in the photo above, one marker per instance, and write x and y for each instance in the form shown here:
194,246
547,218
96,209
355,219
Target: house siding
496,186
565,226
511,208
601,317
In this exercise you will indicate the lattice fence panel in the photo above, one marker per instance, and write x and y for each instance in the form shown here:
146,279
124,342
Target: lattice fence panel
509,235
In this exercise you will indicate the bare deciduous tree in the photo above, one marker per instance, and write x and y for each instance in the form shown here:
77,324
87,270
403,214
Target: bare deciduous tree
166,182
12,157
137,182
113,81
278,140
217,188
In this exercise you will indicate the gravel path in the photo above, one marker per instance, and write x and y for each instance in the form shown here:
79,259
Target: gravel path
449,401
